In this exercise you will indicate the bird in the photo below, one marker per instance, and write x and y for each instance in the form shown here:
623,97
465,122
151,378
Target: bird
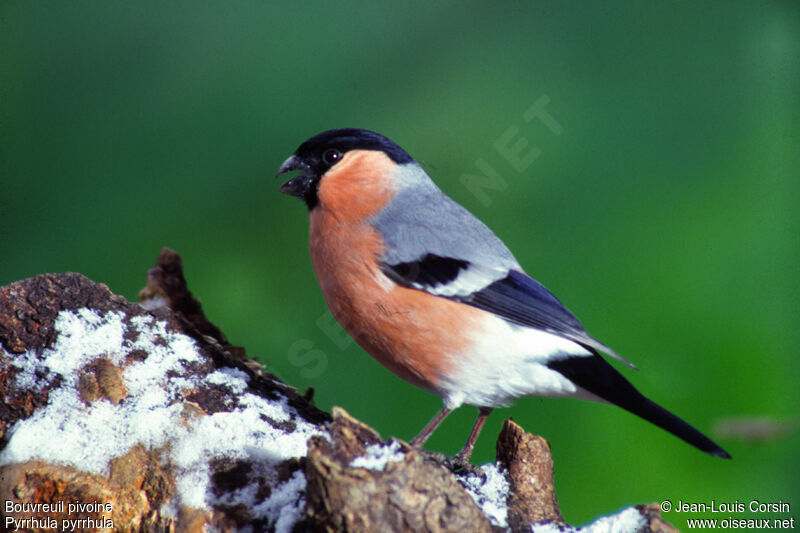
437,298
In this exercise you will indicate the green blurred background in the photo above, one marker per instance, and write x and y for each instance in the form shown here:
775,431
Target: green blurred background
664,214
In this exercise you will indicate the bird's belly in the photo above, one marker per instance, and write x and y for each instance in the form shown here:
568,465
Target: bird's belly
419,337
506,361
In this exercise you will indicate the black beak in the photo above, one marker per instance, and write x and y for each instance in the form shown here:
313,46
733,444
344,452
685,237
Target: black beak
299,185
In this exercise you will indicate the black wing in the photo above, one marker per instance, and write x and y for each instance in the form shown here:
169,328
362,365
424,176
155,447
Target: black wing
515,297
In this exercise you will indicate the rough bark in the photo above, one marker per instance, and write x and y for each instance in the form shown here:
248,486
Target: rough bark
529,466
413,494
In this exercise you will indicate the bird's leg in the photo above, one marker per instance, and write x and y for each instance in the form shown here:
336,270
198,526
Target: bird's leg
426,432
463,456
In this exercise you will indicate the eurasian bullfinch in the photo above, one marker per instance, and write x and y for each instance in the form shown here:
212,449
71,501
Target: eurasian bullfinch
431,293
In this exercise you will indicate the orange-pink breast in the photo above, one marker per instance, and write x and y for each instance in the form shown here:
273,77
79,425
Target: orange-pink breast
417,336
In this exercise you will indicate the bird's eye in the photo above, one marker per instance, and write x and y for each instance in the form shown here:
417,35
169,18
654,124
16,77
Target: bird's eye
331,156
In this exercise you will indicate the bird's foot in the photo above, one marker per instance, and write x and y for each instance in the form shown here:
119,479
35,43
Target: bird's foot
456,464
461,465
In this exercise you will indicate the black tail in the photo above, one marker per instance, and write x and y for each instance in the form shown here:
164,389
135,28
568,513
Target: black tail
595,375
